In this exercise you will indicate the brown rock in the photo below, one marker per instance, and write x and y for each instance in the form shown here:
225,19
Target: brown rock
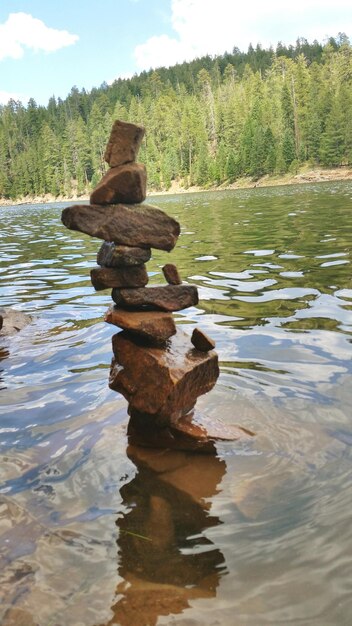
108,277
126,183
166,297
171,274
131,225
154,325
194,431
111,255
201,341
123,144
162,381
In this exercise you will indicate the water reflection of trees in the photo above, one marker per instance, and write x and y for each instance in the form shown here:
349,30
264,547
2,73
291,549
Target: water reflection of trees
165,557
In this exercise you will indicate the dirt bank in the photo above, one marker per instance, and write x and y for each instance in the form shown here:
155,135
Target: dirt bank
303,176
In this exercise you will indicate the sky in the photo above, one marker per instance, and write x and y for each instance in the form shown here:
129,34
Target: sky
49,46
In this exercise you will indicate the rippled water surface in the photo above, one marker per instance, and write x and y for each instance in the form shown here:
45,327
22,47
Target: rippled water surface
94,532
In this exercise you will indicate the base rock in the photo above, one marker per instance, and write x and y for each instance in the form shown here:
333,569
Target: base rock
162,381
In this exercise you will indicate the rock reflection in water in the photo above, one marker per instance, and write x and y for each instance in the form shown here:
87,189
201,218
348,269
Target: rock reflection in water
165,557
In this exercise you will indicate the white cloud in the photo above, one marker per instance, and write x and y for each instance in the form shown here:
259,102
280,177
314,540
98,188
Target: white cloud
5,96
22,30
213,26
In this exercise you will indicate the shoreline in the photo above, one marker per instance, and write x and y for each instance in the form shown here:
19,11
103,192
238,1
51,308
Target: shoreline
305,176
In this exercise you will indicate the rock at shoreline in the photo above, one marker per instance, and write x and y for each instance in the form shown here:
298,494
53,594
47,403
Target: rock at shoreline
109,277
165,297
126,183
137,225
111,255
13,321
153,325
171,274
201,341
161,381
124,142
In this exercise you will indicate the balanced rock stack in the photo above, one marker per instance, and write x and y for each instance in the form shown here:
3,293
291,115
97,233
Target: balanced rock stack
155,366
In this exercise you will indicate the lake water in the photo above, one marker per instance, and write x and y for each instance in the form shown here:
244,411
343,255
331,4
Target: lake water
94,532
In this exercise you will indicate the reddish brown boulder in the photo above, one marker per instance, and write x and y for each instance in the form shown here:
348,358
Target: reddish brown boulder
194,431
171,274
123,144
111,255
126,183
162,381
131,225
166,297
154,325
201,341
108,277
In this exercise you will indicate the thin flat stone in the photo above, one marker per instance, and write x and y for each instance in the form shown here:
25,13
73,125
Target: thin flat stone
154,325
167,297
111,255
138,225
161,380
108,277
126,183
194,431
201,341
124,142
171,274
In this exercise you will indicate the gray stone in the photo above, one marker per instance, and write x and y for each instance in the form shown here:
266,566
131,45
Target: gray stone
111,255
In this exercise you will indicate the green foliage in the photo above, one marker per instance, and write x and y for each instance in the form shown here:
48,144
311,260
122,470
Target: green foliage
208,121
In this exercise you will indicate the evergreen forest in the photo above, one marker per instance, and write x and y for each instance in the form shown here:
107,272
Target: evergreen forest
208,122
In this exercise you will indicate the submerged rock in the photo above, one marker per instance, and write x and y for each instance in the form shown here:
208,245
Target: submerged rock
124,142
13,321
165,297
138,225
126,183
108,277
111,255
164,382
191,432
154,325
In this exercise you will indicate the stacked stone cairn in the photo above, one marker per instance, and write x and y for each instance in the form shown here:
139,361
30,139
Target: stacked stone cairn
156,366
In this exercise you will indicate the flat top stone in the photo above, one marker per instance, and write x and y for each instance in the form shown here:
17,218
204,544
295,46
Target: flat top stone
124,142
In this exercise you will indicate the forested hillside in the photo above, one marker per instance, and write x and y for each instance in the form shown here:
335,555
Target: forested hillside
208,121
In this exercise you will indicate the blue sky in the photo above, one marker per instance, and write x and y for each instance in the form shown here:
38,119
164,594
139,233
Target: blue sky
48,46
